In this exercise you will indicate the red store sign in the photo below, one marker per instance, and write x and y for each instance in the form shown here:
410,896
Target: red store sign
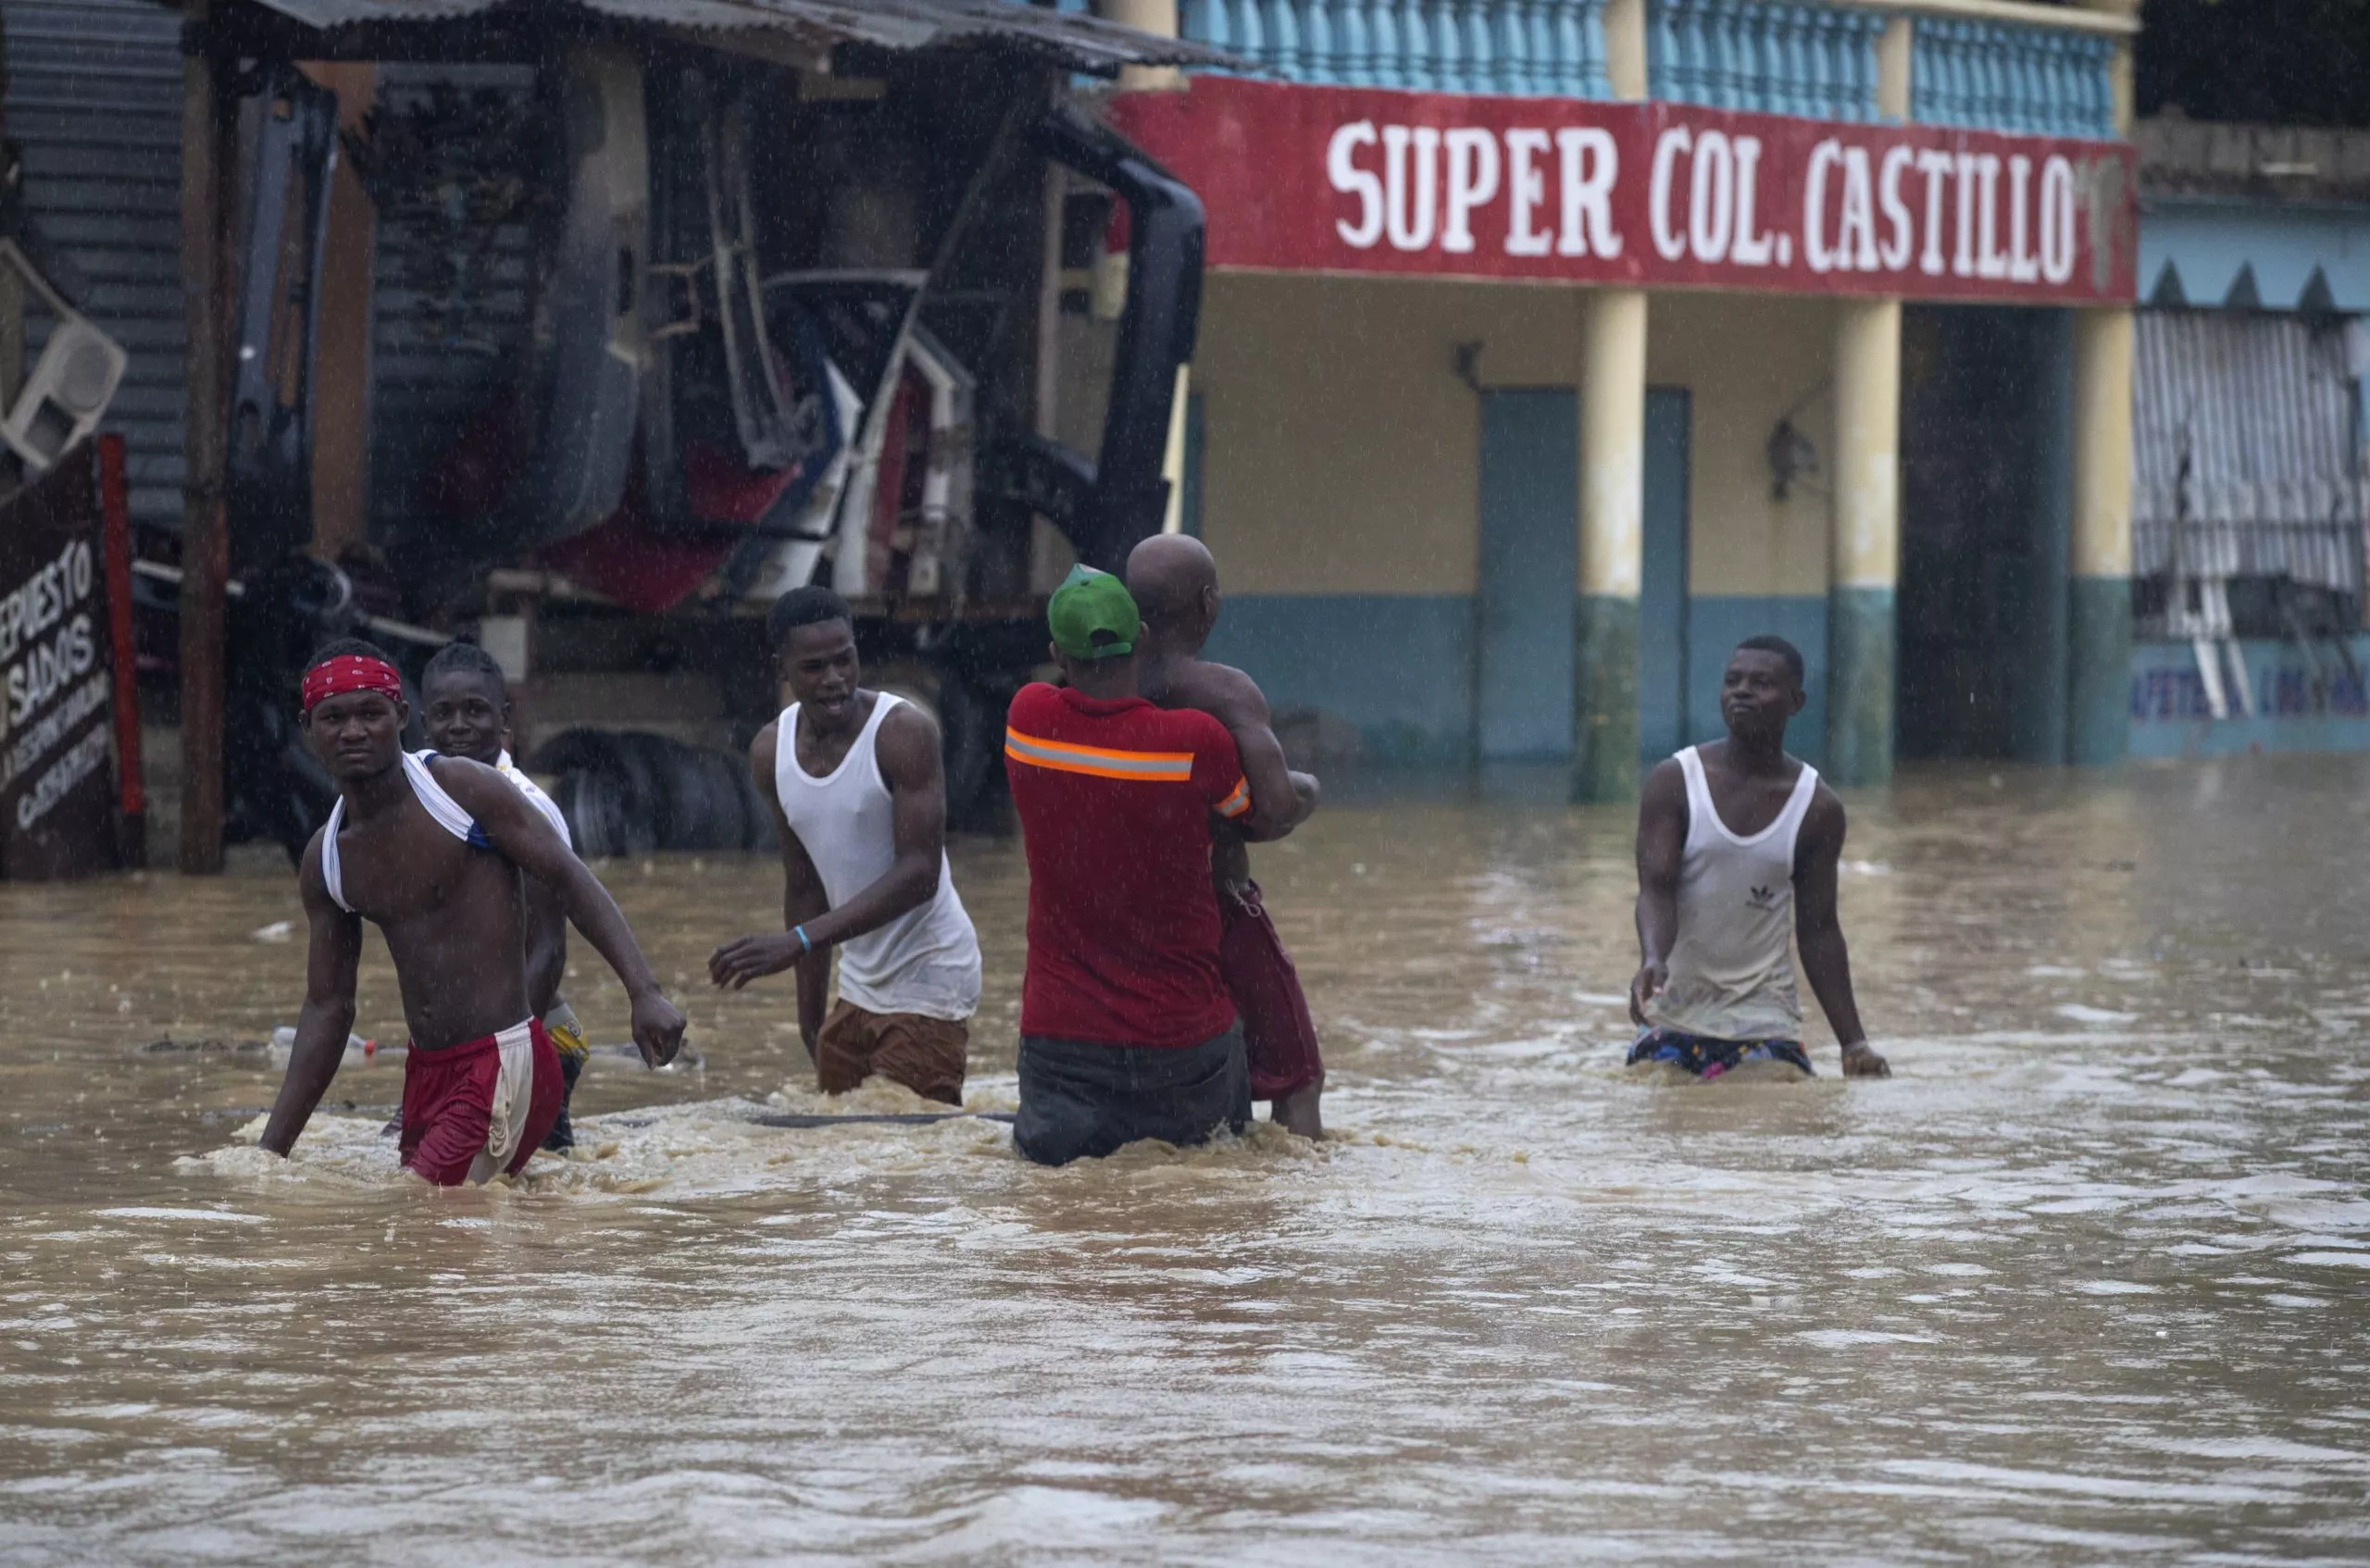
1660,194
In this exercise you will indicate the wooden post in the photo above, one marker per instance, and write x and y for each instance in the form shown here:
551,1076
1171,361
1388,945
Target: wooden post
341,347
205,544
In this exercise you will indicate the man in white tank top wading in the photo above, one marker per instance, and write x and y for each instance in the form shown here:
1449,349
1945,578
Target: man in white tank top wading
1737,842
859,793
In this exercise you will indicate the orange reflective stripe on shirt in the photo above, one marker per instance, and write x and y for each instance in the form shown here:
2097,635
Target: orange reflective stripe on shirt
1238,802
1158,767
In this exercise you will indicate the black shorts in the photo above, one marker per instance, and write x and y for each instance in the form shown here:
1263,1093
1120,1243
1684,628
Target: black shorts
1079,1100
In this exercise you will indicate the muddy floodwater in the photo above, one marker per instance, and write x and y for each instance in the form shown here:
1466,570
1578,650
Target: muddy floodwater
2089,1280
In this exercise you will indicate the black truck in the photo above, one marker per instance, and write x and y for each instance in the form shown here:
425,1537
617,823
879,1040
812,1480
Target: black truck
790,311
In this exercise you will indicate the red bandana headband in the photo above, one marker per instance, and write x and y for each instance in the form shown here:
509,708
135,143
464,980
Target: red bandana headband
351,672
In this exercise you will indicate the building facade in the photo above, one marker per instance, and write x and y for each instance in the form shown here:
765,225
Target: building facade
1551,346
2250,446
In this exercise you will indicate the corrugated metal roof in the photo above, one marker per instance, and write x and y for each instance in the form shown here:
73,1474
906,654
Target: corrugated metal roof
95,102
2262,410
1079,42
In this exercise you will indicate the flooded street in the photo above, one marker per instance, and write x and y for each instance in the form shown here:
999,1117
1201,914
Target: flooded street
2088,1279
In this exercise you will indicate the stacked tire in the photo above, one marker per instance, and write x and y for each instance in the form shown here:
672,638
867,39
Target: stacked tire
625,793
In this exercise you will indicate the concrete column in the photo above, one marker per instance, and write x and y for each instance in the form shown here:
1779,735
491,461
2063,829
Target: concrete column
2099,556
1158,17
1865,559
1624,25
1895,67
1613,501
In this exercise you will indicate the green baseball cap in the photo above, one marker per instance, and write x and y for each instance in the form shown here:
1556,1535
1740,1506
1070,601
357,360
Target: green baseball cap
1092,616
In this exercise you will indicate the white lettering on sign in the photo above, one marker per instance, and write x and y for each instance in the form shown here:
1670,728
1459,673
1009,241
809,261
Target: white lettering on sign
1751,249
1963,170
38,602
2057,221
2023,266
1990,261
1859,210
1669,243
1935,168
1472,183
1341,168
1857,203
1411,197
1525,193
1825,157
1895,252
1712,198
1592,161
30,747
1407,201
49,668
1723,201
78,763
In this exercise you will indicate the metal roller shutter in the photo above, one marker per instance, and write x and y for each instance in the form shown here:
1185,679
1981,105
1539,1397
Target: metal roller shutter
94,101
2259,409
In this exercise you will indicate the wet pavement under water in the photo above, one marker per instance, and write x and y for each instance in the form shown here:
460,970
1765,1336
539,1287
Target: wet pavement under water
2088,1280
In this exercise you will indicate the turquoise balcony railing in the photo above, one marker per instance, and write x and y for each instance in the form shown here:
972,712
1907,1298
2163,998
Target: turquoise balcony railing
1800,57
1992,76
1819,61
1550,48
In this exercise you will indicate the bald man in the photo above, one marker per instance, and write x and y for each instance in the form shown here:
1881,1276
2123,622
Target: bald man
1176,586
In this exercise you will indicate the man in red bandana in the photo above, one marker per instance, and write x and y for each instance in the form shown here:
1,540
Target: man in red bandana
431,848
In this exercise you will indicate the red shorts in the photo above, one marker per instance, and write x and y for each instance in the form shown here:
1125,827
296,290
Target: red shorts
1276,1033
473,1110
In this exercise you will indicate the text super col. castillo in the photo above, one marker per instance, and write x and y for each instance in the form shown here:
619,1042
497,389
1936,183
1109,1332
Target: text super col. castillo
1339,180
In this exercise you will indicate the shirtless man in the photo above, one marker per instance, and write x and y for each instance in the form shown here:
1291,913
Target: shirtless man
858,790
1175,584
1734,837
432,849
468,715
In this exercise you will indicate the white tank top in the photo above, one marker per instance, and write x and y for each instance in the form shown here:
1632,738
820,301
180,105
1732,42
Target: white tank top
927,960
447,811
1732,967
535,797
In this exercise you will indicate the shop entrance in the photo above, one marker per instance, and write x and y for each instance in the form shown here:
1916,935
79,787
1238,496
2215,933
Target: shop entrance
1987,489
1524,599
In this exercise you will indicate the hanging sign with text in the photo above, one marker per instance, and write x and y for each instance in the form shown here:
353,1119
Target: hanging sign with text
1651,194
57,786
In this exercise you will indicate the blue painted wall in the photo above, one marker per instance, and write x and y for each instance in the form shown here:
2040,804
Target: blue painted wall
2207,243
1400,668
1716,624
1662,596
1530,548
2169,716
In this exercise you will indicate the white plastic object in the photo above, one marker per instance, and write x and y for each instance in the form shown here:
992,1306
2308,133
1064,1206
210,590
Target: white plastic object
70,388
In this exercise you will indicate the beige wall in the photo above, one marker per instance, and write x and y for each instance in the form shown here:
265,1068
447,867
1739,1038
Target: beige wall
1746,360
1339,445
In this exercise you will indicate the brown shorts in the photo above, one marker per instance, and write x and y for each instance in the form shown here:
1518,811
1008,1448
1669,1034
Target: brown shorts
925,1054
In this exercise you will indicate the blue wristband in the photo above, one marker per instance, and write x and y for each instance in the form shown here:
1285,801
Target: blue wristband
804,945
